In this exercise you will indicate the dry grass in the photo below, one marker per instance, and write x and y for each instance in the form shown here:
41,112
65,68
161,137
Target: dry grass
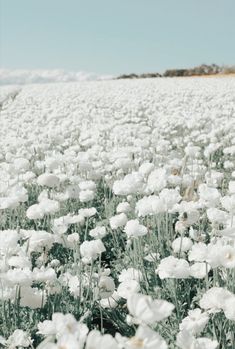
222,75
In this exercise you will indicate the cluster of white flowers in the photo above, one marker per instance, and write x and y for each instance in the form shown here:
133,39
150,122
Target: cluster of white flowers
117,204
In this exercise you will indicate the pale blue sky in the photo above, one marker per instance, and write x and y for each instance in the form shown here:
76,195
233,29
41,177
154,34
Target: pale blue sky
116,36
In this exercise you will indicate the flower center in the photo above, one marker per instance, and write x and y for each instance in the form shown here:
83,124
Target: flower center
137,342
229,256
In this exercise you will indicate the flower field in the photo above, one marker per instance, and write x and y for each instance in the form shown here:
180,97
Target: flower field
117,205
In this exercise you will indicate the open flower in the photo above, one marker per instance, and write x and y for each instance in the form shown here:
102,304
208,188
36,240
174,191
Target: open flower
173,268
98,232
215,298
134,229
118,221
130,274
19,338
145,338
185,340
148,310
127,288
35,212
195,322
96,340
181,244
90,250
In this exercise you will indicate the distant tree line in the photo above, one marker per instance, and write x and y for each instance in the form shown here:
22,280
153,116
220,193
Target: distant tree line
203,69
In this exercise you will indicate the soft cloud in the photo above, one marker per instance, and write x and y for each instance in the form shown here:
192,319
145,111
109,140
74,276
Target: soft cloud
22,77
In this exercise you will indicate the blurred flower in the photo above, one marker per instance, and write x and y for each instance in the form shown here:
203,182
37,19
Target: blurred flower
148,310
48,179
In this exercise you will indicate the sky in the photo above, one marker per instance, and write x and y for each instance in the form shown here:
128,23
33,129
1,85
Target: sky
116,36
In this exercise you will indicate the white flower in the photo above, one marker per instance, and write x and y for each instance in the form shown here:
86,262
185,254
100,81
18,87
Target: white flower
198,253
63,326
8,202
53,163
219,254
86,195
195,322
123,207
149,205
228,164
211,148
3,341
72,192
148,310
19,193
192,151
214,178
228,202
44,274
48,206
37,240
209,196
171,267
215,298
134,229
60,225
216,215
19,261
67,341
87,185
91,249
35,212
19,276
123,163
181,244
170,197
199,270
43,195
48,179
19,338
96,340
87,212
231,187
21,164
98,232
228,232
156,180
185,340
130,274
180,227
110,302
130,184
127,288
106,286
72,240
227,256
118,221
145,338
74,285
229,308
32,297
75,219
146,168
9,240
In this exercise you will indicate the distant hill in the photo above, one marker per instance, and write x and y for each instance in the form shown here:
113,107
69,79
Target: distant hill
200,70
